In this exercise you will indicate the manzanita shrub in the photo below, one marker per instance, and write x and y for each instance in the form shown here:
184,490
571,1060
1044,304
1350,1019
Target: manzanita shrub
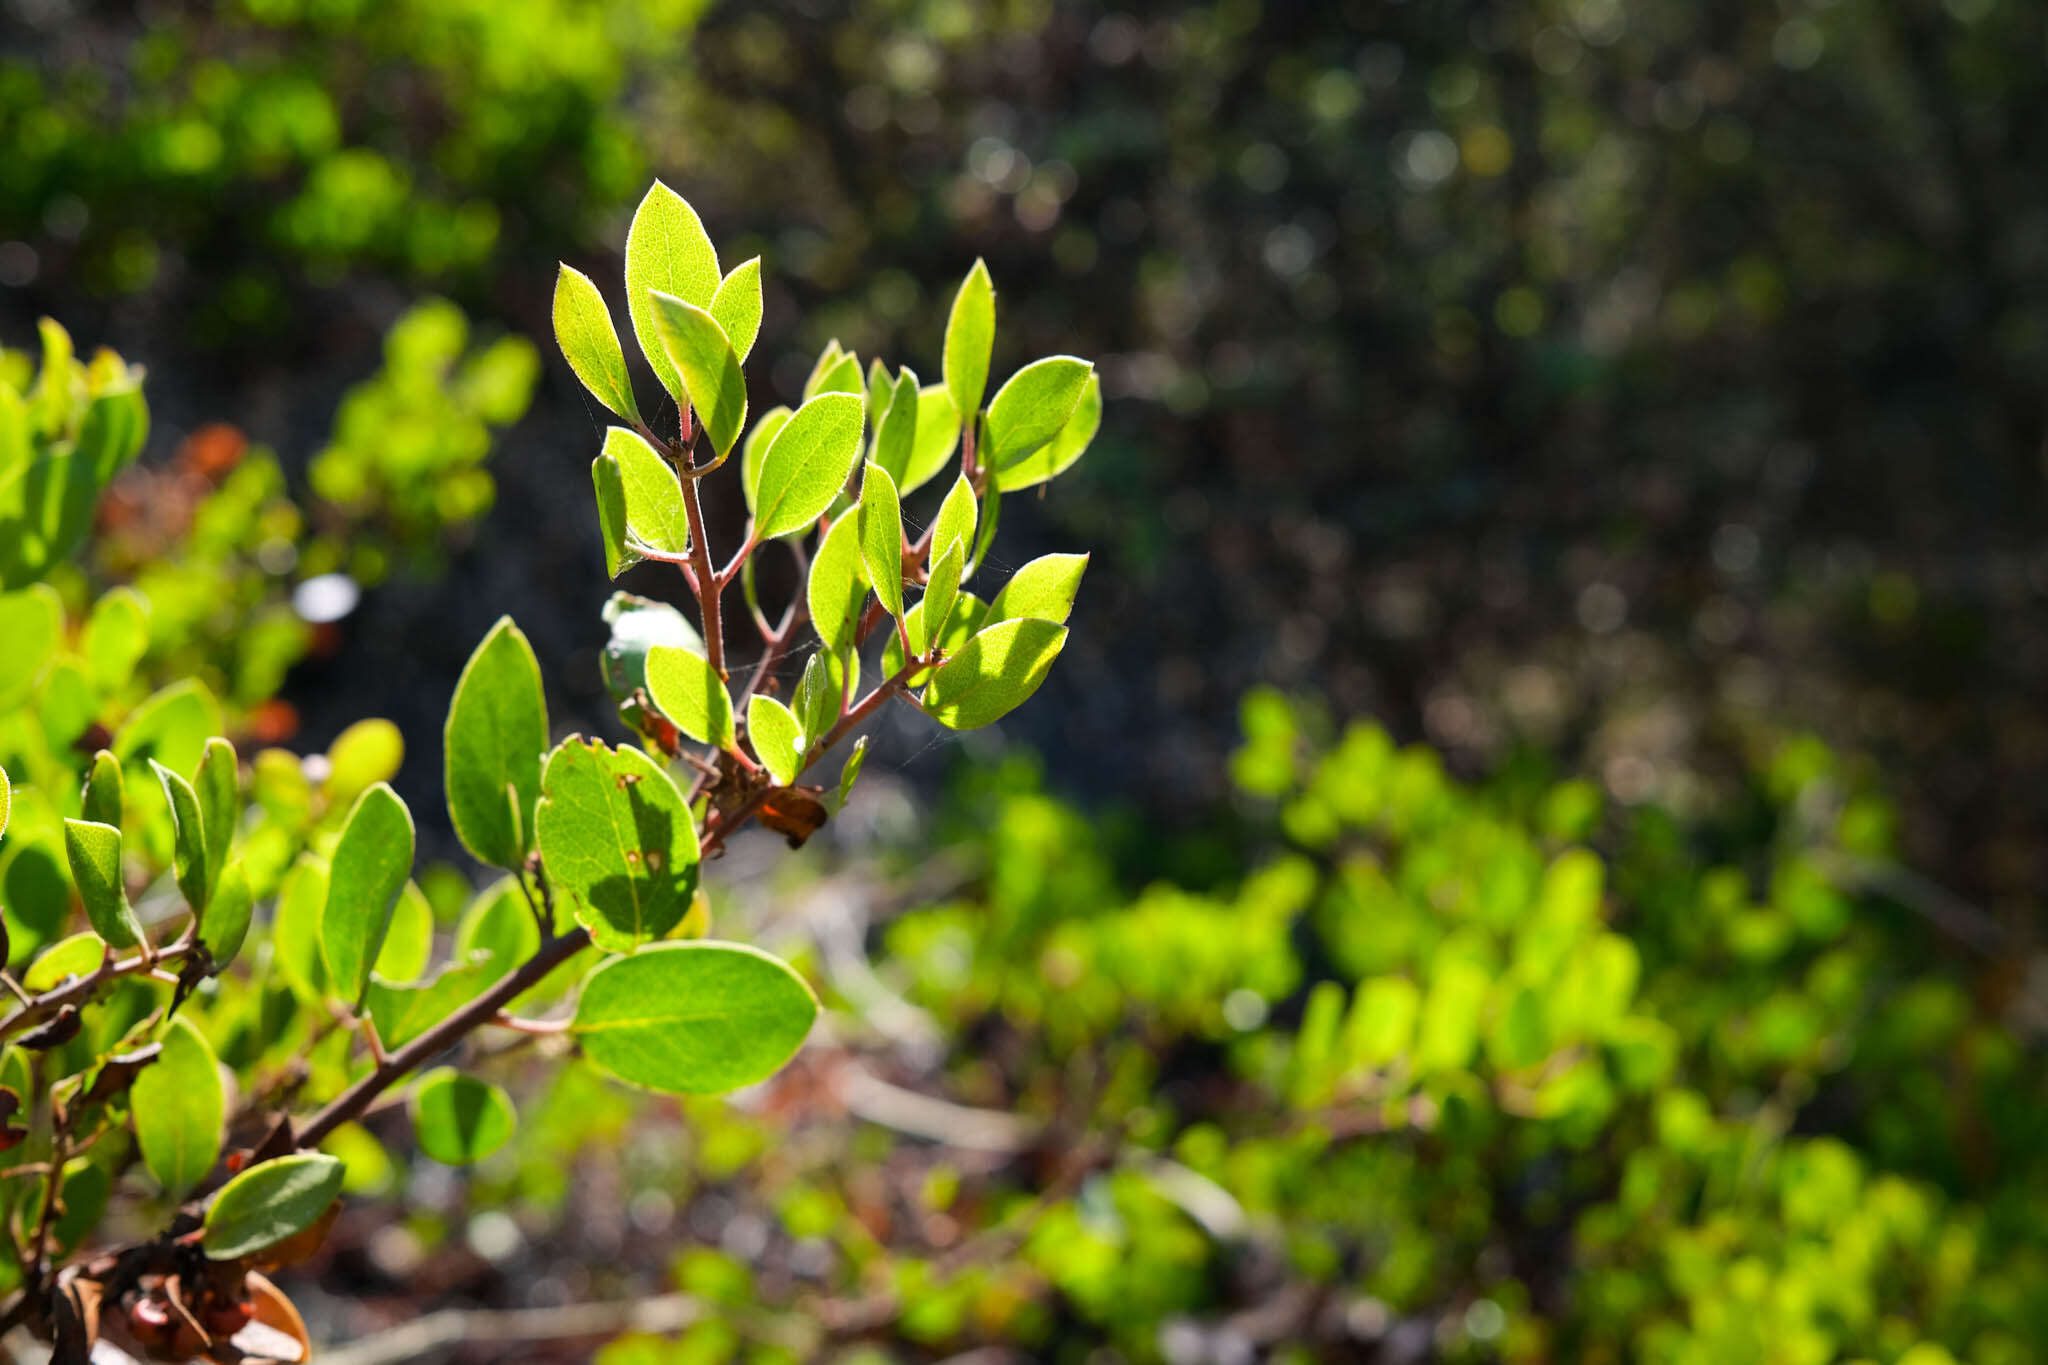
219,966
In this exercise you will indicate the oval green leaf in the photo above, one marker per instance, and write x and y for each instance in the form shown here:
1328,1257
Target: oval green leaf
737,306
1060,453
970,339
694,1018
460,1119
881,537
704,356
1042,590
95,854
584,331
617,841
777,737
179,1106
368,871
994,672
668,250
655,517
496,733
938,435
838,587
687,689
269,1202
1032,408
807,463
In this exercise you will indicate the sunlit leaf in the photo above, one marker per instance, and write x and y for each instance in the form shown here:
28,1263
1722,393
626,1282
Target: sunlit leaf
371,864
95,854
693,1018
881,537
1042,590
777,737
496,733
704,357
993,673
807,464
617,842
667,250
970,340
687,689
584,331
737,305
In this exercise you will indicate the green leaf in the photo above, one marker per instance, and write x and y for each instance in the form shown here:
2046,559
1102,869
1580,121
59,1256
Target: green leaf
6,800
460,1119
172,727
807,464
104,801
828,361
217,782
617,840
655,516
777,736
179,1107
687,689
369,869
667,250
32,624
881,537
940,589
994,672
115,638
496,732
227,917
584,331
755,449
95,854
817,701
938,435
842,376
955,521
1029,410
970,339
896,424
367,752
269,1202
850,773
1042,590
610,489
295,928
408,940
838,587
737,306
111,435
499,923
638,624
77,955
693,1018
710,368
68,703
1059,454
188,836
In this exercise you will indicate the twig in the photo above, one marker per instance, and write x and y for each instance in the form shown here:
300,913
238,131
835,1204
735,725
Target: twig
80,989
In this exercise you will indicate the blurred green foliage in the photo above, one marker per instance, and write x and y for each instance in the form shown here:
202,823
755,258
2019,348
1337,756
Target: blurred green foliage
1470,1072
